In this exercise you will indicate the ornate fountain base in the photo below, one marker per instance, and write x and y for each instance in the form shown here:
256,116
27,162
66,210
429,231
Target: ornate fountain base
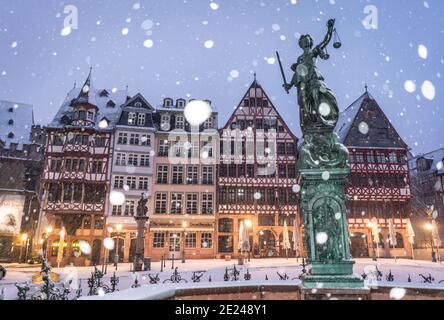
324,170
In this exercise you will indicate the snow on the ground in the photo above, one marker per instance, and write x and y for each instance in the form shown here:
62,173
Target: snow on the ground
401,269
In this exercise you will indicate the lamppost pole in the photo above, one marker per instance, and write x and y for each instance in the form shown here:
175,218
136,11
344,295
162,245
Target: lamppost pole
429,226
184,225
116,255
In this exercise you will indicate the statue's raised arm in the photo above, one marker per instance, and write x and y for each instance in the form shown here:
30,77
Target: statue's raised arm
319,49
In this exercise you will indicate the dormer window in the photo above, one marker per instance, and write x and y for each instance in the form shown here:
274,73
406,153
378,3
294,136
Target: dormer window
141,119
104,93
110,104
81,115
180,122
10,135
168,103
138,104
180,103
208,124
90,115
11,110
11,122
132,118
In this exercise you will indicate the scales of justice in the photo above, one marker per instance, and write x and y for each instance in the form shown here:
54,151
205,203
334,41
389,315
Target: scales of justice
323,166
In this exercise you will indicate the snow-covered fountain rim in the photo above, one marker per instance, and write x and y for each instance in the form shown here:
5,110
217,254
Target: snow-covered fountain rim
169,291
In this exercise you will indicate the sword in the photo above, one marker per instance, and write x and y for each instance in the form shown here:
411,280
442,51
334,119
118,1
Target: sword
282,72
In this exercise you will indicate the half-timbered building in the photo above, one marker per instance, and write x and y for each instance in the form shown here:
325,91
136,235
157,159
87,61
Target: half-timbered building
76,175
379,182
256,174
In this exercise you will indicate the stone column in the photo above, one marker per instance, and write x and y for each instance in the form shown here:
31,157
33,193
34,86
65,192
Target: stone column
140,242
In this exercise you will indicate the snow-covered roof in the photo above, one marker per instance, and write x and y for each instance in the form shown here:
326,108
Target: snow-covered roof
112,114
16,121
347,117
437,158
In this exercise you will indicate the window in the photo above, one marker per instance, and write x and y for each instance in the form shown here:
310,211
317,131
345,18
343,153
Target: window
225,244
177,175
56,165
145,140
291,171
141,119
359,157
132,118
207,203
90,115
118,182
158,240
117,211
132,159
145,160
393,157
162,174
99,223
131,182
225,225
87,223
265,220
291,149
134,139
165,122
180,122
129,208
143,183
190,240
207,175
192,175
176,203
282,171
77,193
206,240
192,203
120,159
58,139
164,147
100,141
161,203
97,166
380,157
370,157
281,149
123,138
208,124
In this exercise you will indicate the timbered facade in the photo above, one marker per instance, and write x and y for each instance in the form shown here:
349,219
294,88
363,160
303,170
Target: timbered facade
132,170
256,174
77,168
183,196
379,182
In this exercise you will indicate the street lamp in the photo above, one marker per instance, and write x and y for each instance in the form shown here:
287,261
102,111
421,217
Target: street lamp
116,255
248,225
45,241
429,227
184,226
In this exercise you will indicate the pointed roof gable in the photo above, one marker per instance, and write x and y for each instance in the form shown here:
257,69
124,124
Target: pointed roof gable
364,124
87,94
131,103
253,92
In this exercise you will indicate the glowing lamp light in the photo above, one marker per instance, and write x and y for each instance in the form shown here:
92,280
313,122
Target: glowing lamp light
62,233
108,243
184,224
248,223
119,227
49,229
429,226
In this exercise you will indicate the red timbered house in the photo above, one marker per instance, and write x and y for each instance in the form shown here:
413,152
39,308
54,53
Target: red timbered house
76,174
379,183
256,175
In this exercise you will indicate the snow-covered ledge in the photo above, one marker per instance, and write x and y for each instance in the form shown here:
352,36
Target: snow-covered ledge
168,291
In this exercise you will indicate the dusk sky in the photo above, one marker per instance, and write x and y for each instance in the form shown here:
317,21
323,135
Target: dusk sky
210,49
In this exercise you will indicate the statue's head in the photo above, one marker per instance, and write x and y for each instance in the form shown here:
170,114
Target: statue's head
306,41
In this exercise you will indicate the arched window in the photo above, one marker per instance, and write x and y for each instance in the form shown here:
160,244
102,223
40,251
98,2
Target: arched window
399,241
75,249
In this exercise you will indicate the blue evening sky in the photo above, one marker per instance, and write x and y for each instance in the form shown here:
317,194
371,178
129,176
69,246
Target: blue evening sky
39,66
